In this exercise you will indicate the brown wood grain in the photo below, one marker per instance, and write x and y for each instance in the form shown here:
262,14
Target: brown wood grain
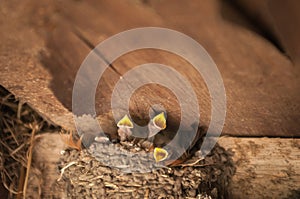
261,83
265,167
251,67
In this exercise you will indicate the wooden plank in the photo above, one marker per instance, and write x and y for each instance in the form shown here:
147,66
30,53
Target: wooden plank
46,154
265,167
21,70
279,20
24,72
96,31
245,61
67,52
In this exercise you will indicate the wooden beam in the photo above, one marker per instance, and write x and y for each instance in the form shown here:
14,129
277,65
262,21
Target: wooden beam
265,167
245,60
261,83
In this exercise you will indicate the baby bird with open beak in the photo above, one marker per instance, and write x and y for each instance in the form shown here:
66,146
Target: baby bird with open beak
125,128
160,154
156,124
183,147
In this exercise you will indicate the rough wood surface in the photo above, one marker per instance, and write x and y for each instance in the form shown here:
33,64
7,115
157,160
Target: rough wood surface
261,83
265,167
44,172
278,20
22,72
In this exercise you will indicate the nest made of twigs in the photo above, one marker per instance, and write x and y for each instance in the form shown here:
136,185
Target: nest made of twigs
19,124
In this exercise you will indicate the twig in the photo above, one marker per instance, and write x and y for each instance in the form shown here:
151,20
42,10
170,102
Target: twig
21,182
17,149
147,191
20,104
202,165
191,164
9,189
63,169
110,185
120,191
29,161
9,104
11,132
5,173
130,185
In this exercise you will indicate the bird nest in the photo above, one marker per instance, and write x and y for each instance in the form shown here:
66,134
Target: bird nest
78,174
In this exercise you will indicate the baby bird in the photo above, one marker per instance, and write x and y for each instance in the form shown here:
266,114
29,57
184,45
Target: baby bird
181,150
156,124
125,126
160,154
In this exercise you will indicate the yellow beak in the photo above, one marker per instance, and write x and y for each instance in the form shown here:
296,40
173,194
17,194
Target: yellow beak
160,154
125,122
160,121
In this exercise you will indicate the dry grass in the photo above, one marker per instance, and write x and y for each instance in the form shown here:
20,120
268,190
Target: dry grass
19,124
